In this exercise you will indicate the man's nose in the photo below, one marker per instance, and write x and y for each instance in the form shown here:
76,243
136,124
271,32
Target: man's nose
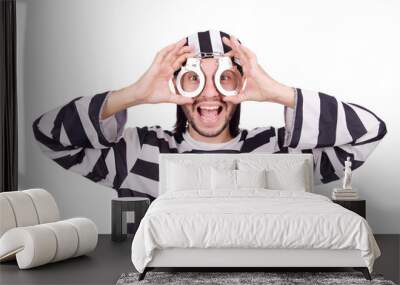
209,89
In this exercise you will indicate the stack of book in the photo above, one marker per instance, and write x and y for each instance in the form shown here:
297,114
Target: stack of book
344,194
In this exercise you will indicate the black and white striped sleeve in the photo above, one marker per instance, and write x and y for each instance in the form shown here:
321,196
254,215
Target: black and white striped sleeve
103,151
331,130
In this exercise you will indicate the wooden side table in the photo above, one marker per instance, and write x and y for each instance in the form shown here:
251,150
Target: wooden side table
357,206
126,214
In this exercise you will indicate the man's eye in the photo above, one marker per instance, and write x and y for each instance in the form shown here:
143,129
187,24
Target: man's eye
193,77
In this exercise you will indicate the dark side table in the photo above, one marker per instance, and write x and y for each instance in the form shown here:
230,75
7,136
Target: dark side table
357,206
126,214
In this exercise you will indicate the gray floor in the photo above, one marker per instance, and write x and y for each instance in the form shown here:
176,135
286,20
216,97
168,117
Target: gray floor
111,259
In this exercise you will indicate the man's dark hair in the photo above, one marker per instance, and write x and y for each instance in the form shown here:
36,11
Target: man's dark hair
181,121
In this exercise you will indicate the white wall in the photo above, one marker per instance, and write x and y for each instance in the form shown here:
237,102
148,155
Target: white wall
72,48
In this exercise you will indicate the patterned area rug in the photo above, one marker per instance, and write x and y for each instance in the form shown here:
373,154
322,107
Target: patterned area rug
242,278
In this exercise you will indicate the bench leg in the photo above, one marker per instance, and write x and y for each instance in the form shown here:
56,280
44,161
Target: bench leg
364,271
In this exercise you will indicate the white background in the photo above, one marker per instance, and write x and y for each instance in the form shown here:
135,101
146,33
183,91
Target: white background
349,49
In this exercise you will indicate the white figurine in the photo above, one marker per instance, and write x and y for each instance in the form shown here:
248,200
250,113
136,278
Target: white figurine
347,174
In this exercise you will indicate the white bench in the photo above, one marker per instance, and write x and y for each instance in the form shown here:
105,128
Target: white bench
32,233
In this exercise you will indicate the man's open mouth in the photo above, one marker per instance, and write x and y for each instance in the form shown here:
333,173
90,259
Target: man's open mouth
209,113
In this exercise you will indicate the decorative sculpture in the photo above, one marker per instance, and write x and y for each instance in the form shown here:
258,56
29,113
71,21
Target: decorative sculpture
347,174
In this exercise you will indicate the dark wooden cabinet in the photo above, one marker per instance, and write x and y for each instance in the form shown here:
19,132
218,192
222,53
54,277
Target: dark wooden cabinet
357,206
126,214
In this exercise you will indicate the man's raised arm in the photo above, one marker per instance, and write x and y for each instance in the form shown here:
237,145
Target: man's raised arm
88,134
331,130
315,122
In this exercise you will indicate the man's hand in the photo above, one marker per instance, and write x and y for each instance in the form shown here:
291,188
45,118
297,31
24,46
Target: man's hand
153,86
260,86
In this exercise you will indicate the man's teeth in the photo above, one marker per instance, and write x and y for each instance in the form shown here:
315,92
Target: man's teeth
209,108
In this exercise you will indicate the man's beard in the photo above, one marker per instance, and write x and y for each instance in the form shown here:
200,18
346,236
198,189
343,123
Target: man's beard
204,133
208,134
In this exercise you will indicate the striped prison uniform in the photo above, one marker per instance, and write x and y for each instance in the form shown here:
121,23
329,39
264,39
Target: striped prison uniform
126,158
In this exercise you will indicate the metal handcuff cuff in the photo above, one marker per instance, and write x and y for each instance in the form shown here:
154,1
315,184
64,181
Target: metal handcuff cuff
190,80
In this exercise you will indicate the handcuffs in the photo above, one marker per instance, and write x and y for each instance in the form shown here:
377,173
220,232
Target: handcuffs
190,80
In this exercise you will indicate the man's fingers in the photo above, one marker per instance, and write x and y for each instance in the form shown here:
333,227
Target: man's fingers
237,46
232,53
185,49
178,62
160,55
227,41
181,55
235,50
251,55
181,100
181,42
163,52
171,56
233,99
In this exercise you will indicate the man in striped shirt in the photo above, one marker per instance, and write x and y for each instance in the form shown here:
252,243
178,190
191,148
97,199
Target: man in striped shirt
88,135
